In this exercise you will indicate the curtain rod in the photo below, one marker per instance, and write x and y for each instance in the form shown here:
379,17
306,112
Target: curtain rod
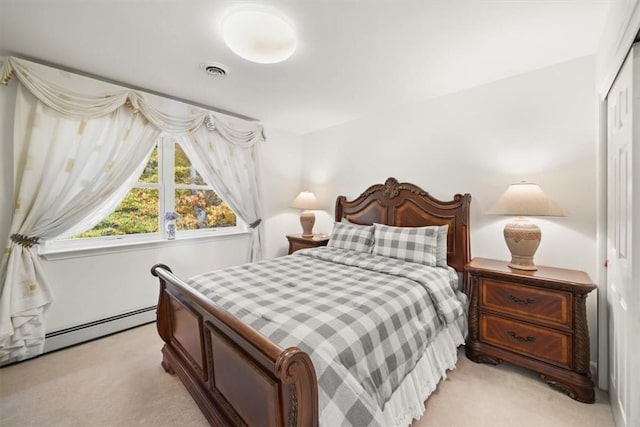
133,87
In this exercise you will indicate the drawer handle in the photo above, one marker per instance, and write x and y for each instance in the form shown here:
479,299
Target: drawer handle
521,339
521,301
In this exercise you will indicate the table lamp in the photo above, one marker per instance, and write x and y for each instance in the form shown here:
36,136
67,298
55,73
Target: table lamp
523,237
306,201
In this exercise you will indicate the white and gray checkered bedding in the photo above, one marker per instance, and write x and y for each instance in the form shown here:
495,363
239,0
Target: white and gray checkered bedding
365,320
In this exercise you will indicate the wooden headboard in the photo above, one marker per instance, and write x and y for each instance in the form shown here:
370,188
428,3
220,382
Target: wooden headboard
406,205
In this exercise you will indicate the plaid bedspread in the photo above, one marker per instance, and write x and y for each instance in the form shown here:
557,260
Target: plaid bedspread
364,320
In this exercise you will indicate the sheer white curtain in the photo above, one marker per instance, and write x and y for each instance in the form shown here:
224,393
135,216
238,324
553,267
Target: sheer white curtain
72,173
231,168
81,152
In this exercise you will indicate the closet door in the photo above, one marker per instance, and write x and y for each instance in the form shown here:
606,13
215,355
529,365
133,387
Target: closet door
623,107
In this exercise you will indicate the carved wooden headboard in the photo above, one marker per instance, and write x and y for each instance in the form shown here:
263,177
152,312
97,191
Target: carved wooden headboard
406,205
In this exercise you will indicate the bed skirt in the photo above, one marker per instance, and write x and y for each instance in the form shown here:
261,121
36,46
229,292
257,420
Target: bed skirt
407,402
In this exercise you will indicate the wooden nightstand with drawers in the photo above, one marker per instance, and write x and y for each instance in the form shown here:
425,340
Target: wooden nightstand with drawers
297,242
535,319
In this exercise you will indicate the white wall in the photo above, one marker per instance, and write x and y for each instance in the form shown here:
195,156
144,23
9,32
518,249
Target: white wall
99,286
539,126
281,172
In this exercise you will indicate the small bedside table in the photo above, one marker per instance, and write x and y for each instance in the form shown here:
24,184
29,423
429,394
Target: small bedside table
535,319
296,241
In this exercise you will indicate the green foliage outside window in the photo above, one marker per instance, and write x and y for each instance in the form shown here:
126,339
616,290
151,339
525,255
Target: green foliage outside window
199,208
202,209
184,172
137,213
150,173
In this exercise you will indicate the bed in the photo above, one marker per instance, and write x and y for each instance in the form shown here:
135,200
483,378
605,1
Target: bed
239,376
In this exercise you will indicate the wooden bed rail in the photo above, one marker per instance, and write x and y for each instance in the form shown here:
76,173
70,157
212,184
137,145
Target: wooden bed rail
236,375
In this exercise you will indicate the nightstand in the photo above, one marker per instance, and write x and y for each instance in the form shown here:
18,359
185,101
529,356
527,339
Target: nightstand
534,319
296,241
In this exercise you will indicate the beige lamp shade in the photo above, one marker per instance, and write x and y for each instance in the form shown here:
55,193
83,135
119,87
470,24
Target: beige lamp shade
306,201
523,237
525,199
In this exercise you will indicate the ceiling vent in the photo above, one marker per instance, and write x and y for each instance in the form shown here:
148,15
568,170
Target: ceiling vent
214,69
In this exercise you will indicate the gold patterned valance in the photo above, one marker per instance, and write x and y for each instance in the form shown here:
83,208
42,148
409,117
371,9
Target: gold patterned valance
159,111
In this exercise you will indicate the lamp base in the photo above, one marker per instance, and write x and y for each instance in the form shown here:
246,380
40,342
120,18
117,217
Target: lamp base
307,220
522,263
523,239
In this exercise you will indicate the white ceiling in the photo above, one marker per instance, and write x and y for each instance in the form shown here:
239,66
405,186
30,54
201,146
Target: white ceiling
353,56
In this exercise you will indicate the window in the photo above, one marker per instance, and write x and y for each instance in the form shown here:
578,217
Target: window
169,183
198,205
139,211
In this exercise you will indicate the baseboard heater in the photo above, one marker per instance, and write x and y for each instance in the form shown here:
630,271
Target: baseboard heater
99,328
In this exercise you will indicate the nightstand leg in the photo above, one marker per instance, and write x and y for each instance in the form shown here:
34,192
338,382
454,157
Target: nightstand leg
479,357
582,393
473,308
581,337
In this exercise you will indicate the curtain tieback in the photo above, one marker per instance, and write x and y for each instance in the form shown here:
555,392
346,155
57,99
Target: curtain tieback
255,223
25,241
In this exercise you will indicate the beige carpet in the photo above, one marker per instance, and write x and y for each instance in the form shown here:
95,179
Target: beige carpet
118,381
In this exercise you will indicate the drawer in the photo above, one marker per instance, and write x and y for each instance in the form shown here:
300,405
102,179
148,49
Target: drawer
531,303
529,340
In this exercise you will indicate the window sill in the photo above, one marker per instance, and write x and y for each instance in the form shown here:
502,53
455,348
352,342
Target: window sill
120,246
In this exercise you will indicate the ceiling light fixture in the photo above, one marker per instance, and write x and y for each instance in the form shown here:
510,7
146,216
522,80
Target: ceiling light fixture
259,35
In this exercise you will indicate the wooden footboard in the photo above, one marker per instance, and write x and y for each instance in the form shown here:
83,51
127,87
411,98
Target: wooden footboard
236,375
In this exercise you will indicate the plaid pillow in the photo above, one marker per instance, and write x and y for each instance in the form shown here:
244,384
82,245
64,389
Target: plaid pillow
413,244
441,246
351,236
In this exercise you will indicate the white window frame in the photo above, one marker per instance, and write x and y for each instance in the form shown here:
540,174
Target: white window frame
166,186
